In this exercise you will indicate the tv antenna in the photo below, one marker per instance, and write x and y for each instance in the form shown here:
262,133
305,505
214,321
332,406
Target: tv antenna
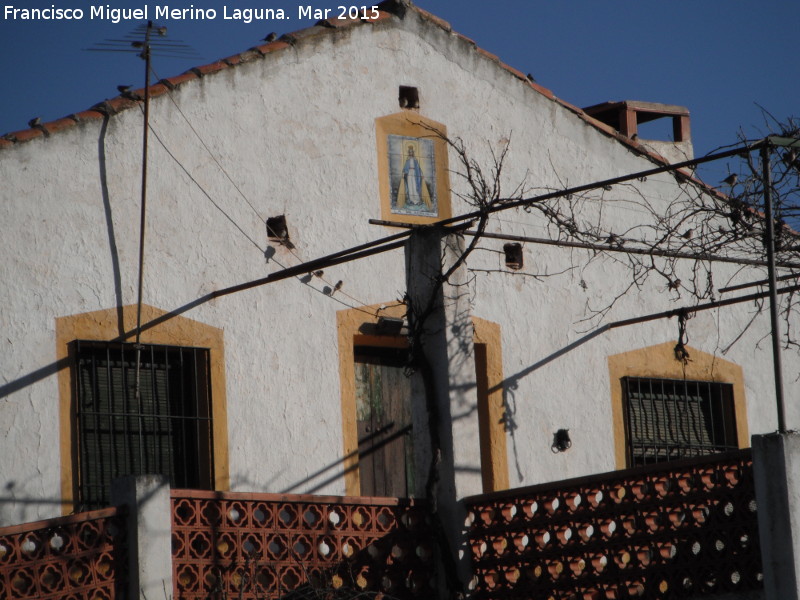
146,41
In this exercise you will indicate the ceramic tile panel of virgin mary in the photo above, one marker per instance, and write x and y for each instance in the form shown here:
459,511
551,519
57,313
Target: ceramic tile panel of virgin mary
412,176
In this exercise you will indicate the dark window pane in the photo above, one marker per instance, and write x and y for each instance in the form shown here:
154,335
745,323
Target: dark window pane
141,412
668,419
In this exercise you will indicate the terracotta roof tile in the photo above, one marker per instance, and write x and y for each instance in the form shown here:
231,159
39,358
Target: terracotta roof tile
88,115
513,71
487,54
118,104
24,135
264,49
295,36
434,19
338,23
382,16
465,38
182,78
210,68
542,90
156,89
249,55
602,126
388,10
59,124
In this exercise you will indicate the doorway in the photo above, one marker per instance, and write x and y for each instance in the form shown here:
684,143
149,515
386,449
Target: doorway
383,417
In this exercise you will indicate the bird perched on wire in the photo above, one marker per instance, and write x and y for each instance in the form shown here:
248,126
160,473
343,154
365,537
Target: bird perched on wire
271,37
731,179
35,122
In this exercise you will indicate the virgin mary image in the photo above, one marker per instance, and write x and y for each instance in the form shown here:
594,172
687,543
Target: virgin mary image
411,178
413,189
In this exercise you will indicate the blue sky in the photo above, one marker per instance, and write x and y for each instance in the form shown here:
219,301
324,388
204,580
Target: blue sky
720,58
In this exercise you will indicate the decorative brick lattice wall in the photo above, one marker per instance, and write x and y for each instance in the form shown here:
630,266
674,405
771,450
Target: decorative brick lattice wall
263,546
79,557
676,530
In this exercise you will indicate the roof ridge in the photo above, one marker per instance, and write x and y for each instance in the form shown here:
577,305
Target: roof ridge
387,10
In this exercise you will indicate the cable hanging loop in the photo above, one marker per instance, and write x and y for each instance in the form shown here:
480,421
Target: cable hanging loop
681,353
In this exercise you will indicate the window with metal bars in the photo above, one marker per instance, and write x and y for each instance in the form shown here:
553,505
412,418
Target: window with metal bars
141,411
668,419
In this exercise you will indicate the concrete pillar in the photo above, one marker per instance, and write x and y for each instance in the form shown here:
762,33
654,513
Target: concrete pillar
776,469
149,534
443,310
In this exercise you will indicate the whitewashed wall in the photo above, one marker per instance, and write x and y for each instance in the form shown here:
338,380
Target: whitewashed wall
295,130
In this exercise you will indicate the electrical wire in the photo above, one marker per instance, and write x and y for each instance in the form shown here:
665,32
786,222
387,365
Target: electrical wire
202,189
210,153
250,204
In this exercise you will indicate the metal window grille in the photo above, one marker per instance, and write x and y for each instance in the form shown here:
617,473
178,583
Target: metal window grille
669,419
165,429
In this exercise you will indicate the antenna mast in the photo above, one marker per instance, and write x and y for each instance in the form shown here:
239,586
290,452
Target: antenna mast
141,42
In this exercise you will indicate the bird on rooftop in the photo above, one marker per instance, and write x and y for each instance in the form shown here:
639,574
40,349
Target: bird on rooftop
731,179
127,92
271,37
35,122
531,78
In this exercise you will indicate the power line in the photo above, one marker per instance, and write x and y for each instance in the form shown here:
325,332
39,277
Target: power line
211,154
742,286
202,189
396,241
628,250
745,148
249,203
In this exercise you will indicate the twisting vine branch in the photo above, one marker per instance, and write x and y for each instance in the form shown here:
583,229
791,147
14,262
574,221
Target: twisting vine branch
665,225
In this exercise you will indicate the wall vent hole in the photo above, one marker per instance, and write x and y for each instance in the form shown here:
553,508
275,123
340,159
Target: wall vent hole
514,259
278,232
408,97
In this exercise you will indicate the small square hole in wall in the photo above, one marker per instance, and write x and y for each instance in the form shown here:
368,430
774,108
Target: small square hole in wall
408,97
277,231
513,254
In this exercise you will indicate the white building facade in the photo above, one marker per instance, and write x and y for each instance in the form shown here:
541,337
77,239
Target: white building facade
316,128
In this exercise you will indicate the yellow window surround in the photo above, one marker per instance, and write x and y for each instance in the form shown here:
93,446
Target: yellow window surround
494,459
105,325
659,362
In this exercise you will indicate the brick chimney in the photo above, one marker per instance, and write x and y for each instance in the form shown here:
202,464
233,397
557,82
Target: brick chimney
627,115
